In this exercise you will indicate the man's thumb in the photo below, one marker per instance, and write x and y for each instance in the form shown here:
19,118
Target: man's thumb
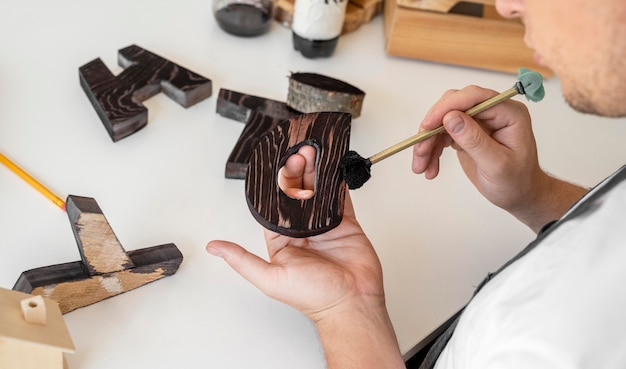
248,265
468,135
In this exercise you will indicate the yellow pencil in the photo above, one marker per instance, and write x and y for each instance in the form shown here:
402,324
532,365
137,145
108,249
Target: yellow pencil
32,181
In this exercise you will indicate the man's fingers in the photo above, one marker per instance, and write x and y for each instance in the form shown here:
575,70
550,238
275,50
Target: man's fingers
249,266
309,154
470,137
297,177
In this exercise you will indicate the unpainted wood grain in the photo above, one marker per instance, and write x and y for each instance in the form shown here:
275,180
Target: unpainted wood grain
76,294
100,249
105,269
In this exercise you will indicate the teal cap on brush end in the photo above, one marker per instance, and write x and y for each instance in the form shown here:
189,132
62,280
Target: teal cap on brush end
532,83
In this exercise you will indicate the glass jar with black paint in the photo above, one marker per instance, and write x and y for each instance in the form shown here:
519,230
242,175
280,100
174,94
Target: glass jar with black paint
246,18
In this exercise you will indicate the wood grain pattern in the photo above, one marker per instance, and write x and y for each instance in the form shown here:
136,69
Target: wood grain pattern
105,270
485,43
117,99
329,133
99,248
238,106
311,92
259,114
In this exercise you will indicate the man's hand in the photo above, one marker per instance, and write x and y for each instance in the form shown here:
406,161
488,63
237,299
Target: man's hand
334,278
498,153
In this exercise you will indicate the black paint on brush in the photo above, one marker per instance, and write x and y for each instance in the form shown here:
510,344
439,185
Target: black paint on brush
355,169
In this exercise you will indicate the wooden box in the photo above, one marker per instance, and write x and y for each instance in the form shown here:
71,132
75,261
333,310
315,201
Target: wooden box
461,33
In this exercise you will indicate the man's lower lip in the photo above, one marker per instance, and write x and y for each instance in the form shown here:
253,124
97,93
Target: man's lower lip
538,59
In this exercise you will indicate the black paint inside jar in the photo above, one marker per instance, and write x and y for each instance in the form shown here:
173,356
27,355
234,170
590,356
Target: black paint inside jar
244,19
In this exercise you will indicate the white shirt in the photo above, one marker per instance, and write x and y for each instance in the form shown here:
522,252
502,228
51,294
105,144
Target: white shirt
563,305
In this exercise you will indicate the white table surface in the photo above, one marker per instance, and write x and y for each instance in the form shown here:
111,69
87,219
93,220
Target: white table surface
436,239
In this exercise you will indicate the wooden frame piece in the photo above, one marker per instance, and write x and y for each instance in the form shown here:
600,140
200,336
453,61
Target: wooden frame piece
117,99
311,92
105,269
260,116
329,133
438,31
441,6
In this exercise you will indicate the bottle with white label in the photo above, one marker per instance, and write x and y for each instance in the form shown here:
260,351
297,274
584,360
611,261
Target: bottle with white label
316,26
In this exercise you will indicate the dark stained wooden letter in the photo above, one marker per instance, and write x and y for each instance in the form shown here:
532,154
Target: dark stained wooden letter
105,270
329,133
238,106
117,99
260,116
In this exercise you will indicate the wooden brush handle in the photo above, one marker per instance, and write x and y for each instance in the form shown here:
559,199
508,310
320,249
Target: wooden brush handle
421,136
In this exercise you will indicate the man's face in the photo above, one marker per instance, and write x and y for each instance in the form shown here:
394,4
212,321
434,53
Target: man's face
584,42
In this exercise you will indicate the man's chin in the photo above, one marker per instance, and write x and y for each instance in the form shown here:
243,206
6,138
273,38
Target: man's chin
585,106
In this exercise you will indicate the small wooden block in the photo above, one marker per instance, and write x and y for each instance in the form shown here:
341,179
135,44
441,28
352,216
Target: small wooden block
34,310
105,270
117,99
329,133
260,115
311,92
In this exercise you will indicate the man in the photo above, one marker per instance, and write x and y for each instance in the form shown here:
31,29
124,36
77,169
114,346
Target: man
561,302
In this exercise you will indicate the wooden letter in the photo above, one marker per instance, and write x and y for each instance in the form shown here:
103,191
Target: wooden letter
260,116
105,270
117,99
329,133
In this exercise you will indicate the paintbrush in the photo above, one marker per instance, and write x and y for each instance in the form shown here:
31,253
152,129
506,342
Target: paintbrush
357,169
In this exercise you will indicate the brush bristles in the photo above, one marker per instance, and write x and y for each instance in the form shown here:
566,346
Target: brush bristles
355,169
